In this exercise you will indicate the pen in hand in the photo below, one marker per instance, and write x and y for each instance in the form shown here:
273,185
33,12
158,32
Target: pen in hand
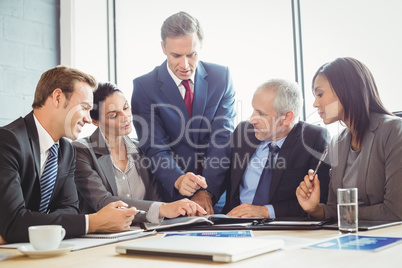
138,210
324,154
141,211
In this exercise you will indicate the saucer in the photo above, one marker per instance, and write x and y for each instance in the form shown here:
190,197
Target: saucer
33,253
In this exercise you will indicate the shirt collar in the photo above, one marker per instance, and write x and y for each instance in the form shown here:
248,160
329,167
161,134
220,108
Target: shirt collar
264,144
176,79
130,146
45,140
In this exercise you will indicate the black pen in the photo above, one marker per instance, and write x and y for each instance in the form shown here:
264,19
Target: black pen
324,154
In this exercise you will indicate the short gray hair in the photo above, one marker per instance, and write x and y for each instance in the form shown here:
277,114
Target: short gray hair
288,96
181,24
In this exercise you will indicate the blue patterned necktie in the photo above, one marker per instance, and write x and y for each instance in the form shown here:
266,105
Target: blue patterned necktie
261,196
48,178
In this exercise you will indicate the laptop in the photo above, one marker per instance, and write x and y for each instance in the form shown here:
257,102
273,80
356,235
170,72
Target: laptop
218,249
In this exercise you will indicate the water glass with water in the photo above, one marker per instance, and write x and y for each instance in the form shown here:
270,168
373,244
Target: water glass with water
348,210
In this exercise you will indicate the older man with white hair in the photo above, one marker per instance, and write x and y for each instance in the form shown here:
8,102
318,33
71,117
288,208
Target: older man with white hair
271,152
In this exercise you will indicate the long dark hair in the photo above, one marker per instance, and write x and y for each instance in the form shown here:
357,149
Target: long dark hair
103,91
355,87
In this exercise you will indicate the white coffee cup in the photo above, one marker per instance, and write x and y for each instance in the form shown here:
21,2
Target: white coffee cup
46,237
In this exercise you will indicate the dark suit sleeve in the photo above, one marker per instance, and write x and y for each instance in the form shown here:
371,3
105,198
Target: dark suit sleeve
89,184
217,157
305,156
19,192
235,173
152,192
93,188
161,155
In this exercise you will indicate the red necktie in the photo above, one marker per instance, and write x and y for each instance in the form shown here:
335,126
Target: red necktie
188,97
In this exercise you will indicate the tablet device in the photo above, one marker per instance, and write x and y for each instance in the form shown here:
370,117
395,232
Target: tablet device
218,249
365,225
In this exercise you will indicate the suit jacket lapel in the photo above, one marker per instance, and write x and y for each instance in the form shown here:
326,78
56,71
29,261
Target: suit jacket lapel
35,146
199,99
248,145
366,152
103,155
141,171
286,150
34,193
34,141
171,92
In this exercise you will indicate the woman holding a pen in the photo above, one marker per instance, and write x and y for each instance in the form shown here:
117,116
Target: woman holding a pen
110,167
367,154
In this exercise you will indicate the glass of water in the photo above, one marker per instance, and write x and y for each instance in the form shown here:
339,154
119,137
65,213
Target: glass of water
348,210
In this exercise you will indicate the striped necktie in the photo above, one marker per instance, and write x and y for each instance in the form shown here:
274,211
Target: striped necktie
48,178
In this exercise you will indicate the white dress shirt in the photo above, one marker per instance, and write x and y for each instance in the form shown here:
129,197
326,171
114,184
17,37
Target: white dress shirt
178,83
45,142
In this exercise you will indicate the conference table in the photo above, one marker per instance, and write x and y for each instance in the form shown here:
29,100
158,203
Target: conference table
295,254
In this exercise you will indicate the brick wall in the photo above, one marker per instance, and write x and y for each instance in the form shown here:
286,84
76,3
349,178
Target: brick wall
29,45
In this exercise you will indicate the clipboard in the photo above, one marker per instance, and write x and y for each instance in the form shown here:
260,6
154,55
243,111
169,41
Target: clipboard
292,224
267,224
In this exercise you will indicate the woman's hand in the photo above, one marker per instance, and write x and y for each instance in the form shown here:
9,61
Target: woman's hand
308,195
181,207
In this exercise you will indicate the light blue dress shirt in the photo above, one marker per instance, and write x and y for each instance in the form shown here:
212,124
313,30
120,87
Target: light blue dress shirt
251,176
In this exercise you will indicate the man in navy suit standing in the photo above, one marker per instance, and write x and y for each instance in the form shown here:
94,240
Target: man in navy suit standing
183,114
